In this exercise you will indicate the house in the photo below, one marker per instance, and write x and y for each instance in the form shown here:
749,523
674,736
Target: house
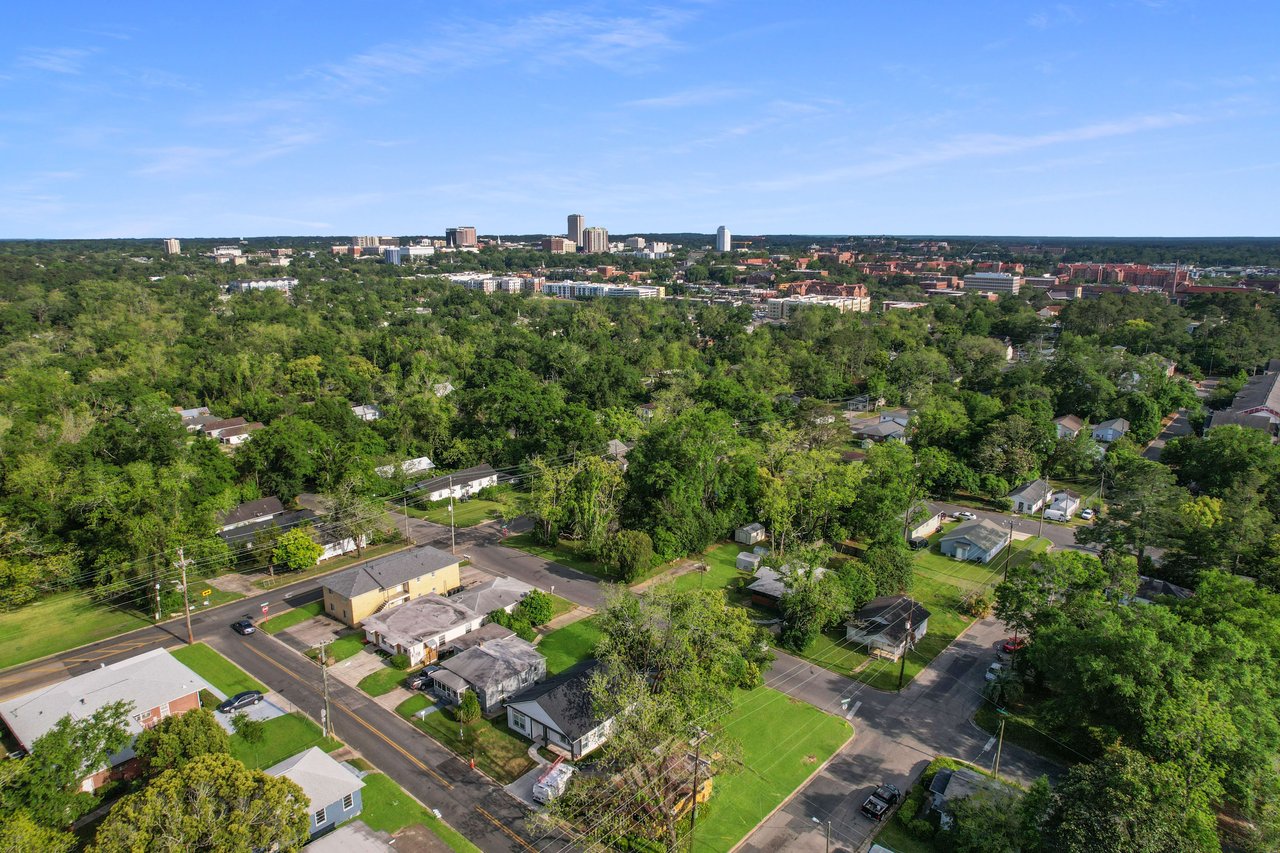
888,625
646,411
1063,505
1152,589
1068,426
407,467
216,427
423,627
750,534
748,561
865,403
332,789
252,512
889,430
1110,430
154,683
922,520
357,593
558,713
976,541
1031,497
1256,405
246,536
442,389
494,671
948,786
369,412
899,416
770,584
238,435
487,632
617,451
459,485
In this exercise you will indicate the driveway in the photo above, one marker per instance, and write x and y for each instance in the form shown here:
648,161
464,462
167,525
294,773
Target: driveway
356,667
267,709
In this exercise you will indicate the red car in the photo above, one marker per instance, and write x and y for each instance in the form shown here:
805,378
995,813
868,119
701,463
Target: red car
1014,644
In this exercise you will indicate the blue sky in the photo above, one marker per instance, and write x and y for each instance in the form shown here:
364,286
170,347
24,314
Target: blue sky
1110,117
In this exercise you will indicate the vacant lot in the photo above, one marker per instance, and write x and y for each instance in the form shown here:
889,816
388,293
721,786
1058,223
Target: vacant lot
289,618
566,646
60,623
497,750
283,737
387,808
216,669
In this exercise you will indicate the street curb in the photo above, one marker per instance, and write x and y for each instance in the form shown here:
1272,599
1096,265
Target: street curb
795,792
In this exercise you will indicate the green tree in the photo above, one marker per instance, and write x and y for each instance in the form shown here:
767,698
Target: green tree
249,730
177,739
536,607
630,554
892,566
20,834
351,515
295,550
212,802
814,601
1141,510
546,499
468,710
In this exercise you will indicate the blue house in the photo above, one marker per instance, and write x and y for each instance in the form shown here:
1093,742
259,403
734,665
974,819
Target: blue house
332,788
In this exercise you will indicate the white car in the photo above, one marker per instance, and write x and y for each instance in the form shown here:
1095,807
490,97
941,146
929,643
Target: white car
1086,514
993,671
966,515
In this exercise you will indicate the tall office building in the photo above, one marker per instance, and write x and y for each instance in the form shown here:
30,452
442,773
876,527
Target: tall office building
464,236
595,240
172,246
724,240
576,225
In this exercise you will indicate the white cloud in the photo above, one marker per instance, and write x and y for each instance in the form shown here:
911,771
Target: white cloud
58,60
694,97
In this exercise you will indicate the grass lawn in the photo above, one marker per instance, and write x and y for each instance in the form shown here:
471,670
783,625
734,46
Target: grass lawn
1023,728
894,836
387,808
722,571
341,648
472,511
285,578
289,618
566,646
216,669
559,606
284,736
783,742
564,552
383,681
497,750
60,623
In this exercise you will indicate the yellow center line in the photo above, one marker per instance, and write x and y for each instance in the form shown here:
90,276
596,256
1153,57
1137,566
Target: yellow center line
397,747
507,830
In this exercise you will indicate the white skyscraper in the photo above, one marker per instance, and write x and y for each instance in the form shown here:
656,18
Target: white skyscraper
724,240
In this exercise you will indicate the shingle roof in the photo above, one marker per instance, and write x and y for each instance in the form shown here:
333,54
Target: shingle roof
389,571
1114,423
1036,490
1071,422
321,778
495,661
981,532
565,700
486,633
497,594
251,510
457,478
1259,391
890,615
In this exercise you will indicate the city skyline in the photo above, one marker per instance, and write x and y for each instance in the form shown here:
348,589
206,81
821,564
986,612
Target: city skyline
1129,118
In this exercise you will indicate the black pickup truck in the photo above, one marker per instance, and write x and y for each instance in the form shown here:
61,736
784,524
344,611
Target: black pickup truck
881,800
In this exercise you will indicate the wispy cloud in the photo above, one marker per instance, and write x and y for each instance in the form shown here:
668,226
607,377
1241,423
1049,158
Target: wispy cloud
983,145
694,97
58,60
1054,16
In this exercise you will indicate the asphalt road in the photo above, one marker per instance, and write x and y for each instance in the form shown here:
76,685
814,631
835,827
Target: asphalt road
1061,535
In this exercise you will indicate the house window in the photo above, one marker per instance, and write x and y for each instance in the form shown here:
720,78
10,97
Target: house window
331,607
321,817
519,721
348,802
404,587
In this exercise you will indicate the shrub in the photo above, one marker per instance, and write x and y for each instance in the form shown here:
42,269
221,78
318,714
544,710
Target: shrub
399,661
920,828
468,710
535,608
208,700
629,553
977,604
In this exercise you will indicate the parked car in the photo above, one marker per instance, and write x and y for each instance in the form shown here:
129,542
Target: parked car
966,515
1087,513
993,671
881,800
240,700
243,627
1014,644
418,681
918,543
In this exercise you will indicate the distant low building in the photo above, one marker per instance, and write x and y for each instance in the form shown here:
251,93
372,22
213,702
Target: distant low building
407,467
459,485
750,534
975,541
284,285
1068,426
368,412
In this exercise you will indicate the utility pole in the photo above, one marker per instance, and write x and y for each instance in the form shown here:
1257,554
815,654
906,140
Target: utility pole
1008,551
182,564
699,736
999,743
326,717
907,642
453,543
828,836
405,506
157,602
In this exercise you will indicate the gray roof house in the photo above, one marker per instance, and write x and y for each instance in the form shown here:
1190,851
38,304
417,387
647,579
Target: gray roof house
501,593
460,484
1256,405
1031,497
974,541
1151,589
493,671
883,431
922,520
421,627
390,571
558,713
333,789
750,534
262,509
1110,430
888,625
948,786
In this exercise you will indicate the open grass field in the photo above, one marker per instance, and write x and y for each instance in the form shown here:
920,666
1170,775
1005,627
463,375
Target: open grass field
497,750
25,633
387,808
721,570
566,646
286,578
289,618
783,742
216,669
284,736
472,511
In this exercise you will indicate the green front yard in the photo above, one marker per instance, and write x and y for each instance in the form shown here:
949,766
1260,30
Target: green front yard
387,808
497,750
341,648
566,646
283,737
564,552
783,742
722,571
289,618
217,670
383,681
78,618
473,510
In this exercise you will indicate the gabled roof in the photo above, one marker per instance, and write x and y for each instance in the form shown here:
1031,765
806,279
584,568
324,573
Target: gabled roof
147,680
1036,490
457,478
261,508
322,779
389,571
494,662
1114,423
888,617
981,532
488,632
565,700
1261,391
885,429
1152,588
1071,422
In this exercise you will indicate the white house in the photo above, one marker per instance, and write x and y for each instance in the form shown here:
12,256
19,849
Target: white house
422,627
460,484
558,714
368,412
888,625
1031,497
1110,430
1062,506
408,466
1068,426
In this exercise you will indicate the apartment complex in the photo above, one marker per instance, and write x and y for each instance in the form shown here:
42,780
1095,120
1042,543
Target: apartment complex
172,246
560,245
724,240
461,237
595,240
284,285
782,308
993,282
591,290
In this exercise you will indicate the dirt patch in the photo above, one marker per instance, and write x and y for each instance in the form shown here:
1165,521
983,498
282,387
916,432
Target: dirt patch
419,839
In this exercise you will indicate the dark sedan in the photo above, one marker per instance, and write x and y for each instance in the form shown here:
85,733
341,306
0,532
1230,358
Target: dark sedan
243,627
240,700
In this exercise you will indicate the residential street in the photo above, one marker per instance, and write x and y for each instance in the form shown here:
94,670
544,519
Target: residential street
1061,535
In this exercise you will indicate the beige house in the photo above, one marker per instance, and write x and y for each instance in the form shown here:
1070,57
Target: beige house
357,593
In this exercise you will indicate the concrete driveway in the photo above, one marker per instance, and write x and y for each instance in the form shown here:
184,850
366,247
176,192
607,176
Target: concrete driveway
356,667
267,709
314,631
